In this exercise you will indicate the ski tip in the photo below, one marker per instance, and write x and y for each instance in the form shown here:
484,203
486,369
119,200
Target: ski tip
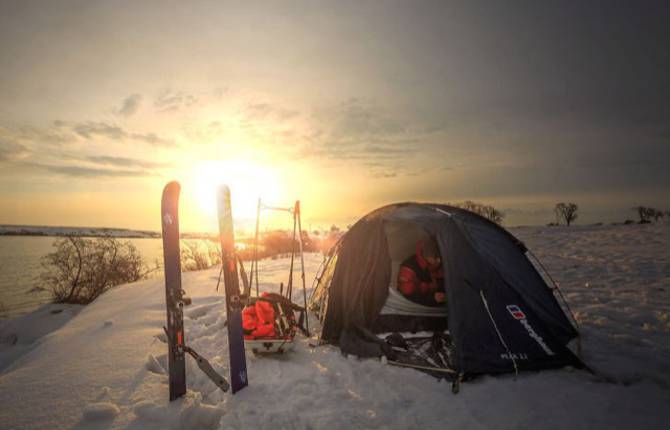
171,186
223,193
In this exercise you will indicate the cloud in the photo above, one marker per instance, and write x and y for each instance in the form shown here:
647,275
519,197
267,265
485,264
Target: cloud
152,139
130,105
173,101
264,111
77,166
124,162
89,130
23,147
10,150
355,119
88,172
27,134
385,174
72,165
92,129
363,132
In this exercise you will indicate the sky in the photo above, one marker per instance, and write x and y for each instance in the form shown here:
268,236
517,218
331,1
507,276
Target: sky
345,105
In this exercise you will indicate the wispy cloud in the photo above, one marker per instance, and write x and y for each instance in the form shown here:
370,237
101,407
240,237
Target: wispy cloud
23,148
93,129
53,135
130,105
10,150
89,172
169,101
89,130
124,162
262,111
364,132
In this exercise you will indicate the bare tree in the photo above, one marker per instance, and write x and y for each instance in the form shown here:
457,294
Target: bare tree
80,270
487,211
566,212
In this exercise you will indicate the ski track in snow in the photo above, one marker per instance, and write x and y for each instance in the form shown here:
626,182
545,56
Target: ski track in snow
103,366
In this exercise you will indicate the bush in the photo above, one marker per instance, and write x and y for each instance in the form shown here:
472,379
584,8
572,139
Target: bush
80,270
648,214
199,255
277,243
487,211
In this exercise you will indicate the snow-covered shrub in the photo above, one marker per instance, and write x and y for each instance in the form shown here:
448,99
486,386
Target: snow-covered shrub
199,255
80,270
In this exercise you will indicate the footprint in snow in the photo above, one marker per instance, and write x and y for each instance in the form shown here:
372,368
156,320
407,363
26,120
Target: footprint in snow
200,311
161,337
154,366
102,411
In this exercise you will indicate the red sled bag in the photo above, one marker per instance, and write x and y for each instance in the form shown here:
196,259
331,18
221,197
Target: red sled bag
270,324
258,320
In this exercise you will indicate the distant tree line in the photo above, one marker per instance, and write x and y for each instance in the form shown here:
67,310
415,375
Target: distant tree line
567,213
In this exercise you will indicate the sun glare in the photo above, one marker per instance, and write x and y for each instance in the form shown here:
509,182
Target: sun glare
248,181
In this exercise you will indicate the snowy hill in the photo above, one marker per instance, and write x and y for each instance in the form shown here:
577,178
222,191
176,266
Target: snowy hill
103,366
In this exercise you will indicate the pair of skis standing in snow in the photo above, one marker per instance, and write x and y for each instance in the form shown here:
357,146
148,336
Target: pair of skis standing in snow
176,300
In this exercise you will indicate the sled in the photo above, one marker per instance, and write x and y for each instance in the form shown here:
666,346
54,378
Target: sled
283,321
269,345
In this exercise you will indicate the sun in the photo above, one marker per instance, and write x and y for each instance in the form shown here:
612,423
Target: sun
248,181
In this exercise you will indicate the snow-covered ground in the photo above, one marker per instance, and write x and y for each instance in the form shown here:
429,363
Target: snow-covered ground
103,366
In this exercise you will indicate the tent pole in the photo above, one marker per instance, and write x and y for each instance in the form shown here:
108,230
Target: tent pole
254,263
302,264
289,287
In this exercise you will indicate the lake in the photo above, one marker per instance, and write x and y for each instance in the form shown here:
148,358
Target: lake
20,258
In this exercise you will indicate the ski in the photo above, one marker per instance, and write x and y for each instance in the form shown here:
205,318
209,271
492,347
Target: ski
174,295
175,301
238,363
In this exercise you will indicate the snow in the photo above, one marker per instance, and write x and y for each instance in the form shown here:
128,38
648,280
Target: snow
103,366
103,411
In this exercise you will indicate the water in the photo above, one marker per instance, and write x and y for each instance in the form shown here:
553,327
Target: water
20,258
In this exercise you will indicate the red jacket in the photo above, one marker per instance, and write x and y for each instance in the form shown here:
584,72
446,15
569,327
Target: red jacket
418,281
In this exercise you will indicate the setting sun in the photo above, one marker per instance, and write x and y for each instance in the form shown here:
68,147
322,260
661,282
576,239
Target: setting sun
247,180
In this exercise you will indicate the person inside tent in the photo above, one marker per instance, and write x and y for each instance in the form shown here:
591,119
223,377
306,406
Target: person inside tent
420,278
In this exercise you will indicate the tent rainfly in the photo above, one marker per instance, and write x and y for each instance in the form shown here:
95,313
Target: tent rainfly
501,314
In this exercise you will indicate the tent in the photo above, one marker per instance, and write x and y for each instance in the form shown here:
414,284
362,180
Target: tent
501,314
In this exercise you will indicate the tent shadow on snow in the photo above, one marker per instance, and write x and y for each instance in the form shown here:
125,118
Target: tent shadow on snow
501,314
